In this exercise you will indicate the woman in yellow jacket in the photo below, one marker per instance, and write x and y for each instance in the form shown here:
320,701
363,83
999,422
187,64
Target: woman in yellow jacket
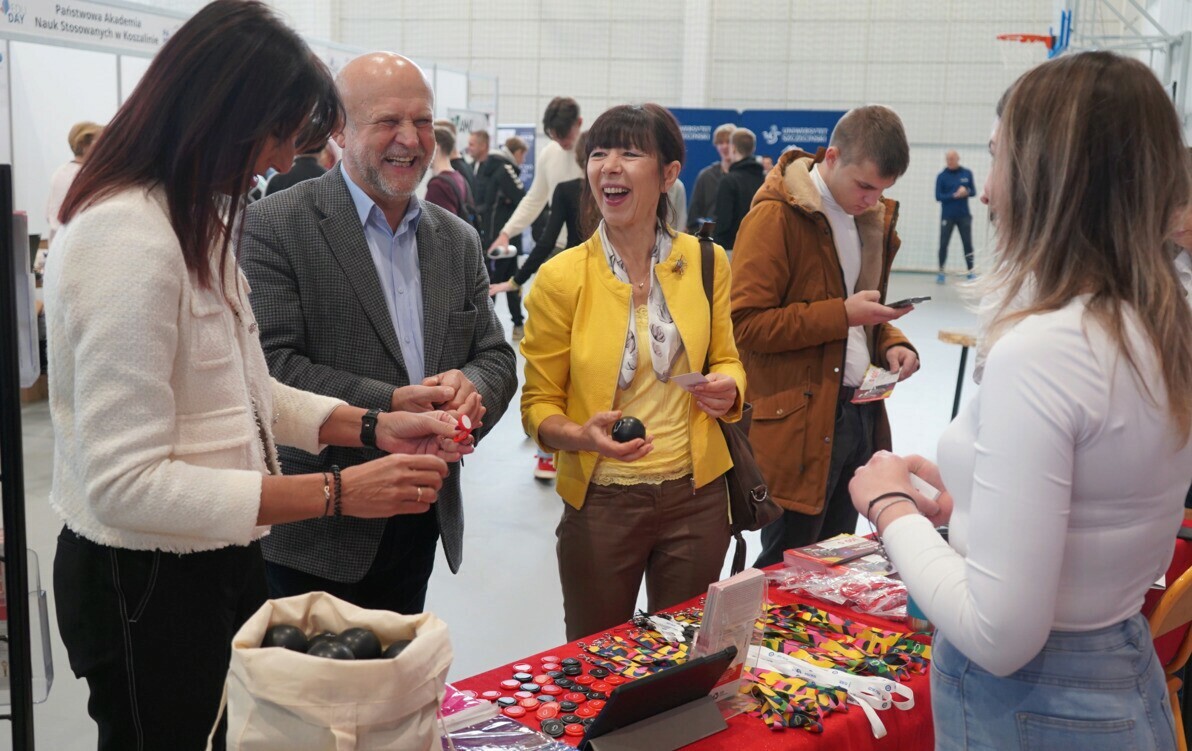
656,505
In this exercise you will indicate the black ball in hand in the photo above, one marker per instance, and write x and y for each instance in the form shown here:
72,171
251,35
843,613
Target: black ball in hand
627,429
363,643
285,636
396,648
332,649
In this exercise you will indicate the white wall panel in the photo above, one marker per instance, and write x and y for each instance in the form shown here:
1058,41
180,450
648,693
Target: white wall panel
826,81
42,116
451,91
848,42
131,70
433,39
832,11
568,42
596,10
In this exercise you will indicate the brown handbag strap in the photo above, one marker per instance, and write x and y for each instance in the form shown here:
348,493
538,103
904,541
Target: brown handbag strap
707,269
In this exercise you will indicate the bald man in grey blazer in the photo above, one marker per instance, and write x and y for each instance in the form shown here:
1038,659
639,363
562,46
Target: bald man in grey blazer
365,293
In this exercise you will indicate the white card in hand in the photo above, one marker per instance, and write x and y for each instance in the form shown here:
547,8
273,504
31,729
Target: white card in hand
929,491
687,380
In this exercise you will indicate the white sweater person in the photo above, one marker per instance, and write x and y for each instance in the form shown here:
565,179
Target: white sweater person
164,413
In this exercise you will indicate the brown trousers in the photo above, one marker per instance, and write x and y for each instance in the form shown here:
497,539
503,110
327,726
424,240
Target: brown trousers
673,534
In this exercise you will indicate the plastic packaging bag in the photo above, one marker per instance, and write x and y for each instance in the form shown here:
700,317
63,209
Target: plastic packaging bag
500,734
862,590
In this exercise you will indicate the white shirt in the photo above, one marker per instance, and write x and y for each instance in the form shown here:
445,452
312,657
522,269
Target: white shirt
60,182
554,166
1069,485
395,256
848,250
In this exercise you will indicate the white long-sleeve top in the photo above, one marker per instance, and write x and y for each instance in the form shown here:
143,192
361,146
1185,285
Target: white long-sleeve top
60,183
164,412
554,165
1068,482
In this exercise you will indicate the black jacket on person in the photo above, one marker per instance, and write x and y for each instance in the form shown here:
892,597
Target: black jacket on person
499,190
306,167
703,196
564,211
461,166
734,196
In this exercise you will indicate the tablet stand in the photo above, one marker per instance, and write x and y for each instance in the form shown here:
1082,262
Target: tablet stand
667,731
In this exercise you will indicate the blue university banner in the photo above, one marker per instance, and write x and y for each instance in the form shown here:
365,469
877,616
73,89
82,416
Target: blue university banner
779,130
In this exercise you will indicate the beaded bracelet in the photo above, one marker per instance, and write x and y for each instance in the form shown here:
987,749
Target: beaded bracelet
339,490
326,494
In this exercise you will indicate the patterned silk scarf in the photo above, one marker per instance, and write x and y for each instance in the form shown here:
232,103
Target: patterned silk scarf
665,343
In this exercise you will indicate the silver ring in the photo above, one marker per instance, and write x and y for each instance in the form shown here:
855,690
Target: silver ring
419,493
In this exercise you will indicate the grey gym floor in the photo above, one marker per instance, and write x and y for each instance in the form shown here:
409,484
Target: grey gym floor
505,603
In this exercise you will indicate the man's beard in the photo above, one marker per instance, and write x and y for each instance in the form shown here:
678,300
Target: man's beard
371,174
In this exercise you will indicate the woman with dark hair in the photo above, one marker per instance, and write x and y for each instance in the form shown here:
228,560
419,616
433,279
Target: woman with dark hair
165,417
611,322
1063,480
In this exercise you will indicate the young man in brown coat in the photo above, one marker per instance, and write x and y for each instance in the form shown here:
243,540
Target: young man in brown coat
810,268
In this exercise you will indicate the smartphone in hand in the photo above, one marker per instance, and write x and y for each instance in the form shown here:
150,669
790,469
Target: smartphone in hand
908,302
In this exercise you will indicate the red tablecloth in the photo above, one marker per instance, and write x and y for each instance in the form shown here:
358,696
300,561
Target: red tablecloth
906,730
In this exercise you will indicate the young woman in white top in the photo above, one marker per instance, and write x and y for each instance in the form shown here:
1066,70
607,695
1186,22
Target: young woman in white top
1064,477
165,417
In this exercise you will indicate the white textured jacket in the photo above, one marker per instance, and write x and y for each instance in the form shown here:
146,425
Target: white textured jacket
163,409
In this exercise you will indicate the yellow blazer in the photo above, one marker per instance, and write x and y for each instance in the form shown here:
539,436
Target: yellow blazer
577,316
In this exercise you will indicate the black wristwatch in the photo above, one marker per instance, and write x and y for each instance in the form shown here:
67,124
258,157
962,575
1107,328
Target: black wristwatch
368,428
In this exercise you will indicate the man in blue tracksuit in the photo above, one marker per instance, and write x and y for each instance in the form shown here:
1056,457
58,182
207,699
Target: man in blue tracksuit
953,188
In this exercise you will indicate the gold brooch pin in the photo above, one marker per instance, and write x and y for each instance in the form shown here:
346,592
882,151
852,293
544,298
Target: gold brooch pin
680,265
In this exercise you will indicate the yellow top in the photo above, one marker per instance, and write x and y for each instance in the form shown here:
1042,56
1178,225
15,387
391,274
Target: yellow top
662,408
578,313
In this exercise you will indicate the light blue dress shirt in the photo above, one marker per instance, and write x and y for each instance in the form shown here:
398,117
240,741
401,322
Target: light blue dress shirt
395,254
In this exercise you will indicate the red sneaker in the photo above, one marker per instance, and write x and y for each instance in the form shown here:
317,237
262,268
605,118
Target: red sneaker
546,468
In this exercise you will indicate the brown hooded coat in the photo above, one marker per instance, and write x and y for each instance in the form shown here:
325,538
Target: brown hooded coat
791,328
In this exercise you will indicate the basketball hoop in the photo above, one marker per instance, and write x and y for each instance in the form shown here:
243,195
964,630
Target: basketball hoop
1020,52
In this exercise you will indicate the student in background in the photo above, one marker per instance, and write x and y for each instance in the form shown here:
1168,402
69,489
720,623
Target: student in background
556,162
735,193
813,257
504,189
703,195
448,188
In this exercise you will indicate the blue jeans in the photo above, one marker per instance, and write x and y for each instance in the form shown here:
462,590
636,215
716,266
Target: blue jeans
1098,690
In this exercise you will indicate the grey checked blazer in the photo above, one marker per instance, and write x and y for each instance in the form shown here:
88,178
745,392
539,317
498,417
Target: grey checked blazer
325,328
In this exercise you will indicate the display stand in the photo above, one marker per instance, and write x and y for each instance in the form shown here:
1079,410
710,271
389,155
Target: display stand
12,485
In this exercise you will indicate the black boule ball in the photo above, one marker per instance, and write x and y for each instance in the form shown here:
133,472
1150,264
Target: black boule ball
321,637
363,643
627,429
285,636
332,649
396,648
